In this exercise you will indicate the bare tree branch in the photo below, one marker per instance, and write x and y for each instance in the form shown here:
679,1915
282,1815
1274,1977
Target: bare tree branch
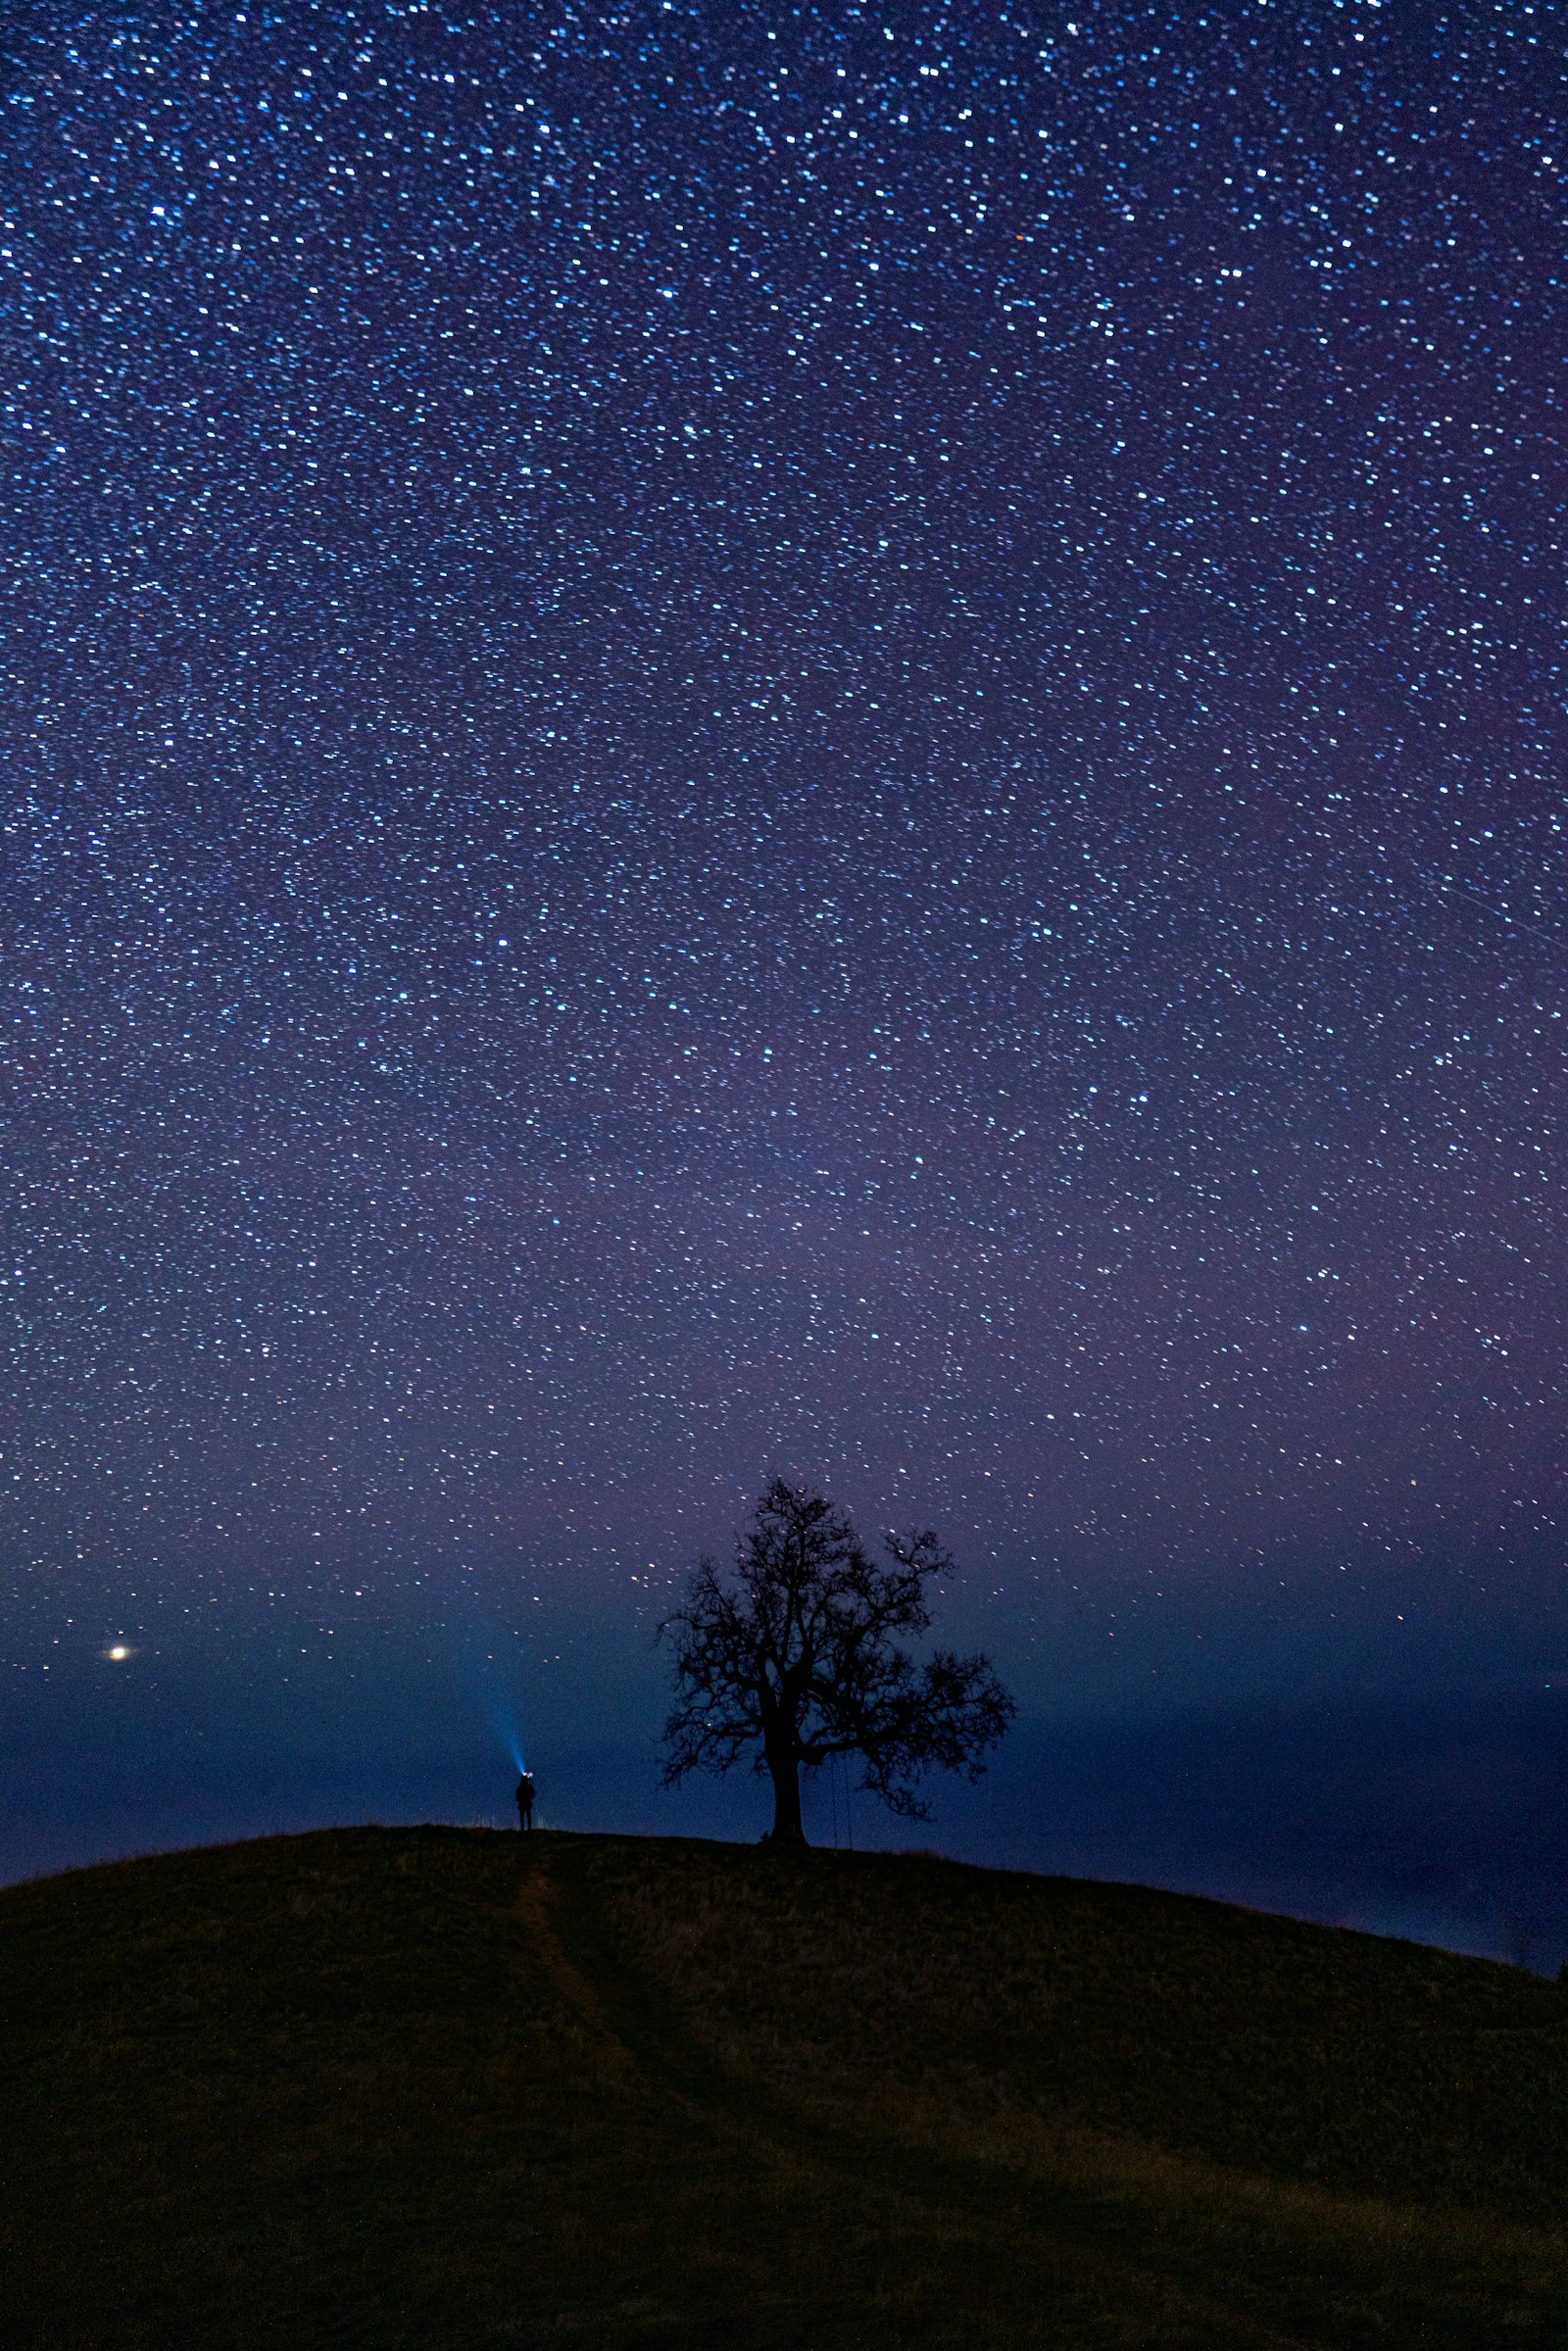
794,1655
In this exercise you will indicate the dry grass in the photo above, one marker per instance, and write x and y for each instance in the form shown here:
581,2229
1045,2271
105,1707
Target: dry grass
446,2086
1259,2041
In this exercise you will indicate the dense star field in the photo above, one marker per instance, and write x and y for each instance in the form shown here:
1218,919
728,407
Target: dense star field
744,737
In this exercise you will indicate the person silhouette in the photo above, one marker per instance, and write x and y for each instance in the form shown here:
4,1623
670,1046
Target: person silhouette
526,1802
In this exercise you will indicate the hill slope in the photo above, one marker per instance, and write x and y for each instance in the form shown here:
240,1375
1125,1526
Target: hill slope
444,2086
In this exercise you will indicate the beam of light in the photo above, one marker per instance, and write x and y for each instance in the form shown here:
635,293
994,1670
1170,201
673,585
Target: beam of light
486,1686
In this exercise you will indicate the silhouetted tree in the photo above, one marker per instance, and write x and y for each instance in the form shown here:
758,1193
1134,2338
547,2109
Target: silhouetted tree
795,1655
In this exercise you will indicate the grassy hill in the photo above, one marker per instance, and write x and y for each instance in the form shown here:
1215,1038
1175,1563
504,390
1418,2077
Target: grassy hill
441,2086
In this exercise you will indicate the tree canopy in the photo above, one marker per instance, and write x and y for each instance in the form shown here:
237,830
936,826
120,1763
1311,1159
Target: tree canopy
796,1654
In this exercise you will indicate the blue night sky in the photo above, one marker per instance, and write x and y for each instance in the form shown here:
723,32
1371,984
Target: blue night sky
825,739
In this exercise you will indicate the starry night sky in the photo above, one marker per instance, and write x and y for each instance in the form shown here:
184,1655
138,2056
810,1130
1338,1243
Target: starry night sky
747,738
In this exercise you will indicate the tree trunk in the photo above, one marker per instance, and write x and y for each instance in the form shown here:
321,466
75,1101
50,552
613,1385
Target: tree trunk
786,1777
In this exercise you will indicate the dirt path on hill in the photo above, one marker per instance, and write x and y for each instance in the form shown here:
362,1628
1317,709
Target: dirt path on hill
886,2184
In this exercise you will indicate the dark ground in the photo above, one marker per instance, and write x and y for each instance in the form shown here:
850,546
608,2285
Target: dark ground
447,2086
